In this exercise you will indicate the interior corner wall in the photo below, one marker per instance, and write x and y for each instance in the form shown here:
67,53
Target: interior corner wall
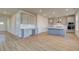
42,24
14,24
18,22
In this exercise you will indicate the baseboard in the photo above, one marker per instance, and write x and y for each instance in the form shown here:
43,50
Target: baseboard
41,33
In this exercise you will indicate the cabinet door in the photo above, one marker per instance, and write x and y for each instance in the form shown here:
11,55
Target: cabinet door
28,19
32,20
71,19
24,19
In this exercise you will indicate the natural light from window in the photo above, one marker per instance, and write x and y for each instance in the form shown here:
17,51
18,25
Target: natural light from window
1,23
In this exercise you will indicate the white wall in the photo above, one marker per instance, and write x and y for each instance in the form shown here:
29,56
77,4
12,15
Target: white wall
42,23
13,24
77,24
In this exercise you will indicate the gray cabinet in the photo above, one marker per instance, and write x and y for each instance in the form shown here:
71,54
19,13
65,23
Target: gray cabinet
28,19
54,31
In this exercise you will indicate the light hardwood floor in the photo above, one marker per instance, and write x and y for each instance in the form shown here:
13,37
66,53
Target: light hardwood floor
41,42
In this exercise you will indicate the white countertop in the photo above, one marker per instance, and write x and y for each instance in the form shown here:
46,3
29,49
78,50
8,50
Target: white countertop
58,27
27,26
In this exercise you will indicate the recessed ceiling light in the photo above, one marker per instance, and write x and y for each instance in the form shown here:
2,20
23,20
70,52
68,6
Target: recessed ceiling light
53,12
40,10
66,9
50,16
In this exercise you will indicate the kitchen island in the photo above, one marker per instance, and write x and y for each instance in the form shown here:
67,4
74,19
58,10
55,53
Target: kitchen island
57,30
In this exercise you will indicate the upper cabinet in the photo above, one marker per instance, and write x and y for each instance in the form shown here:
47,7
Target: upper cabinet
28,19
71,19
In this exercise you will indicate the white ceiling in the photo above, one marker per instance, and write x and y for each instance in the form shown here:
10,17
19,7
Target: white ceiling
53,12
48,12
